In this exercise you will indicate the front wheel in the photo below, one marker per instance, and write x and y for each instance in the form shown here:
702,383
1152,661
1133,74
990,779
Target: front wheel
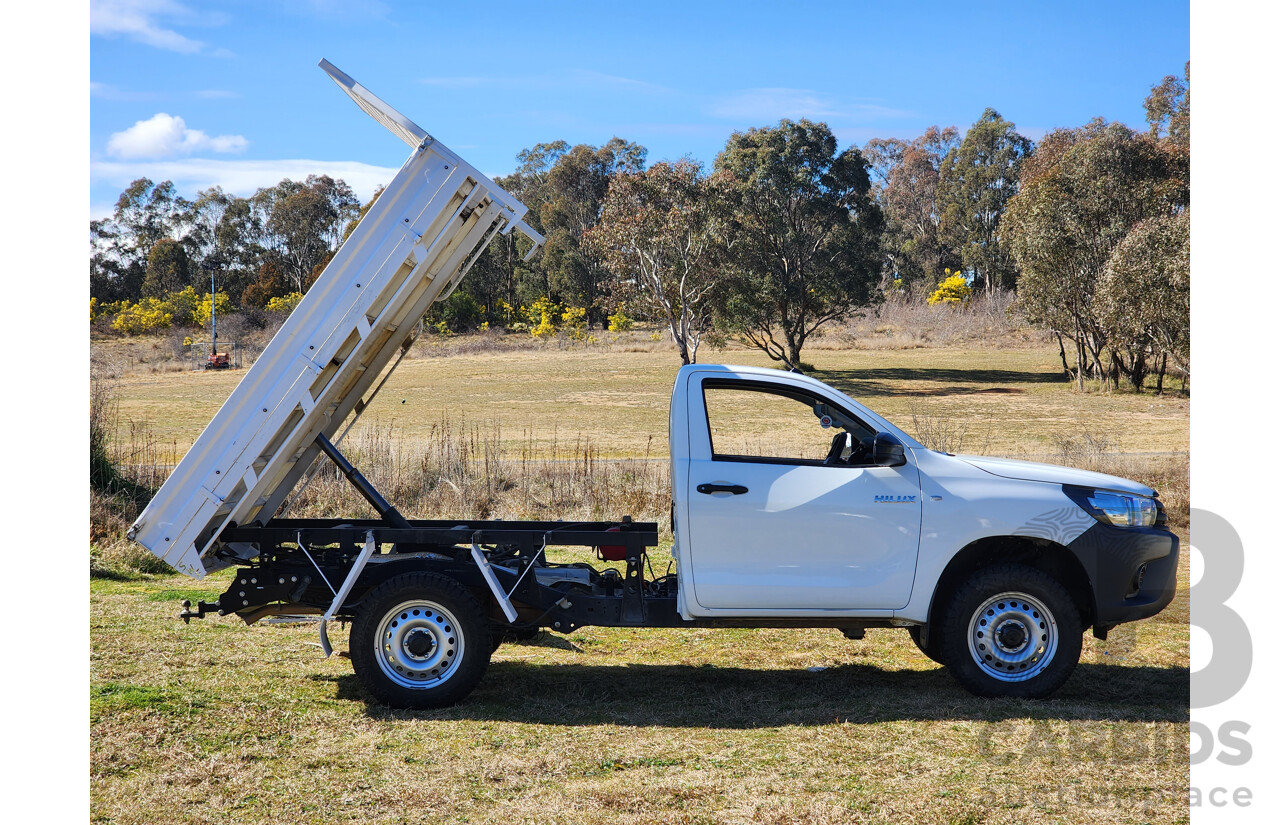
1011,630
420,641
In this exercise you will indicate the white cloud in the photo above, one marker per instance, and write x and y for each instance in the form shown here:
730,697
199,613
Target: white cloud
773,104
239,177
573,79
768,105
164,136
106,91
138,21
599,80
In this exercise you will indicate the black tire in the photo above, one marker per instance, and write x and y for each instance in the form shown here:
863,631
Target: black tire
420,640
1010,630
931,649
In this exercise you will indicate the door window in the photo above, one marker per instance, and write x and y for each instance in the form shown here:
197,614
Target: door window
775,424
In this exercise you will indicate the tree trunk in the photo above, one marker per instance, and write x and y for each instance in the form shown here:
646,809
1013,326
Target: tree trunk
1138,370
1062,352
1164,363
681,338
793,354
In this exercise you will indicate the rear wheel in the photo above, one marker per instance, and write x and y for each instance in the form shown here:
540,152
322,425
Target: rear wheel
1011,630
420,641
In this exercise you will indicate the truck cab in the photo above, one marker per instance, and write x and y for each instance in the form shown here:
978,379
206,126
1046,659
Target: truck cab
794,501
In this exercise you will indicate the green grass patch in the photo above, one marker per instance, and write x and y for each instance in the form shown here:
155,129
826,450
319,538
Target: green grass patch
117,696
176,596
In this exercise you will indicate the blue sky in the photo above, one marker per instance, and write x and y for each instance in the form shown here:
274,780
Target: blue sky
229,93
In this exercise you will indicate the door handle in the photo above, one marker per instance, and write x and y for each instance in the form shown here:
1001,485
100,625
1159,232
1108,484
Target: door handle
736,489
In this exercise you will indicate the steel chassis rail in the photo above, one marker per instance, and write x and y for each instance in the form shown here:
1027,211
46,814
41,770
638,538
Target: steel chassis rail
287,579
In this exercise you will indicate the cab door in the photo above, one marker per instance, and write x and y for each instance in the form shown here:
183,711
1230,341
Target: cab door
773,524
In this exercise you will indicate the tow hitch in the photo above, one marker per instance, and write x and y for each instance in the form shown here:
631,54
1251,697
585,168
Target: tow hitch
202,607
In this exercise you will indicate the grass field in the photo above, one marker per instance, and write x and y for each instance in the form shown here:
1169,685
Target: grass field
619,400
216,722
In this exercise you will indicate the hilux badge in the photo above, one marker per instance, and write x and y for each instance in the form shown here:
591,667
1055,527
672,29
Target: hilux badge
894,499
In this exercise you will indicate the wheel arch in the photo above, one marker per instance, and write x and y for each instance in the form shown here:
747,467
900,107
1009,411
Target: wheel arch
376,574
1053,558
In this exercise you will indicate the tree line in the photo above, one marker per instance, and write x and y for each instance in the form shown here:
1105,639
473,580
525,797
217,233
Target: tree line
782,236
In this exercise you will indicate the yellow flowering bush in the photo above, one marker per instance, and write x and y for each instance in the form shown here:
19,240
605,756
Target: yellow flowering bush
546,312
184,306
574,320
954,289
282,303
148,315
619,322
205,309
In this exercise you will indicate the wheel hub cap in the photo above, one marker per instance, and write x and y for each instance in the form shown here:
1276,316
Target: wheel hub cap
419,645
1012,637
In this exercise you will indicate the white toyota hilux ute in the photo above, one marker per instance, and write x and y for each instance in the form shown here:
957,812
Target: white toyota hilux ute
792,504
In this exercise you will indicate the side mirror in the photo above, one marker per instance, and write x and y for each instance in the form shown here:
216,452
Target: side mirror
888,451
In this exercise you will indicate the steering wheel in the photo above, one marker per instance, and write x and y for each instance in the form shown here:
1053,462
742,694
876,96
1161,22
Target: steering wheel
858,453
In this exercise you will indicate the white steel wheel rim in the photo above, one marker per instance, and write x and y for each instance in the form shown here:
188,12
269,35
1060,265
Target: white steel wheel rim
1012,637
419,645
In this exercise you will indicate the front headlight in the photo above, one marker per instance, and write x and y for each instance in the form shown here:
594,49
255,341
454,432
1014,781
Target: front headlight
1117,509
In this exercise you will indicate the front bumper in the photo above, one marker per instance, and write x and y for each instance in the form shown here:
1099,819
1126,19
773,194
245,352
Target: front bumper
1133,571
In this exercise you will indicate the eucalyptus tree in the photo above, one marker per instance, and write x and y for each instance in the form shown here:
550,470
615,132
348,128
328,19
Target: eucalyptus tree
905,182
1168,108
120,245
574,193
804,234
976,181
659,232
303,222
1081,194
1144,297
169,269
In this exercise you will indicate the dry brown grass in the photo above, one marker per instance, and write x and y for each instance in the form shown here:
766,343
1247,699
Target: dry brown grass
644,338
114,355
903,322
459,467
126,466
